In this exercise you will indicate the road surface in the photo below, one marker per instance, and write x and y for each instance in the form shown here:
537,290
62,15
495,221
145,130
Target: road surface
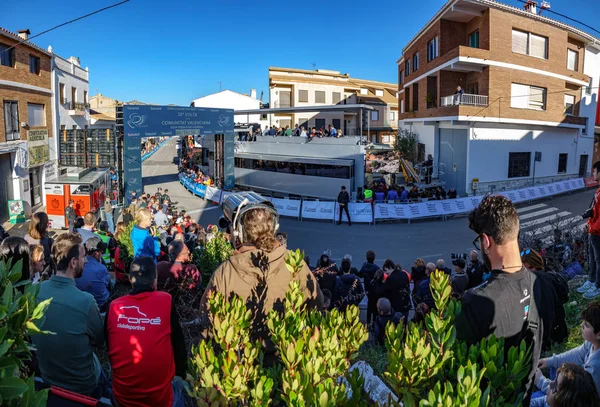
401,242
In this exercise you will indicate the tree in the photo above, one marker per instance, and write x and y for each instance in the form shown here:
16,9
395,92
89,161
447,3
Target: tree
18,316
406,145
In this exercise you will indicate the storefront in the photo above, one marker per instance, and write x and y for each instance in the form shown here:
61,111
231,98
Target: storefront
39,155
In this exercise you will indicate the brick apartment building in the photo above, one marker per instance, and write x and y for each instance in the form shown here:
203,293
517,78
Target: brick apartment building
290,87
530,84
26,119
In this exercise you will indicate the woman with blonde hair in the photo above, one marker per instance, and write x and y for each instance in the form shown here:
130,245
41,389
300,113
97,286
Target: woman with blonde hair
38,234
37,264
144,238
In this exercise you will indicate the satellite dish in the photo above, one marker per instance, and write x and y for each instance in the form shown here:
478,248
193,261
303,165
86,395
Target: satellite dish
545,5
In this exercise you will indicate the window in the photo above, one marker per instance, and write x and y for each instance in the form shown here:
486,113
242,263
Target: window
35,115
432,49
319,96
569,104
336,97
302,96
407,67
73,95
392,116
378,92
472,89
62,91
11,120
562,163
295,167
415,102
518,164
572,59
529,44
401,77
34,64
374,115
527,97
285,98
415,62
319,123
336,123
85,97
7,56
474,39
364,91
402,106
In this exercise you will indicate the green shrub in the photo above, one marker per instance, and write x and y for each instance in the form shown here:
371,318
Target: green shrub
314,352
18,316
126,246
209,256
430,367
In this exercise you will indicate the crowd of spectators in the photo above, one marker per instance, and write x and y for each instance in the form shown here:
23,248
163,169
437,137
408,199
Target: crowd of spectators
151,144
79,270
195,174
380,192
301,131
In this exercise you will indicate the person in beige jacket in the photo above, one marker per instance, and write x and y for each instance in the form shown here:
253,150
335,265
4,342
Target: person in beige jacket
257,273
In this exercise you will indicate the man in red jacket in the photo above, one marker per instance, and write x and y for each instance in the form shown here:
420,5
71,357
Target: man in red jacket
145,343
591,288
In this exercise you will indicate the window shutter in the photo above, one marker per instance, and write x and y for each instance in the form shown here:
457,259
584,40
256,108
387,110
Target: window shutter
519,96
538,46
519,42
8,122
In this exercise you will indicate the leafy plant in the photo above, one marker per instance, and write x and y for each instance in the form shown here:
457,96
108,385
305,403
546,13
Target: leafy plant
18,316
406,144
433,368
126,246
314,353
209,256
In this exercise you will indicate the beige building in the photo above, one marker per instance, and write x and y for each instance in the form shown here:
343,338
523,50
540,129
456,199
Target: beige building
290,87
105,105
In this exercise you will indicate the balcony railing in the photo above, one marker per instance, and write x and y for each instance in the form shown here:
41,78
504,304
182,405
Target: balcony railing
78,108
464,99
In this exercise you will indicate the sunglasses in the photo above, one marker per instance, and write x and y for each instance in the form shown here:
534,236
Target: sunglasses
476,241
525,252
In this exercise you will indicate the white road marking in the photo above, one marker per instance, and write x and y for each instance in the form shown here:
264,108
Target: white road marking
530,208
570,222
537,213
544,220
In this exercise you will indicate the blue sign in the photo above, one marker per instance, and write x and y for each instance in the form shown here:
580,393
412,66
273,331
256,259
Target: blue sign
166,121
157,121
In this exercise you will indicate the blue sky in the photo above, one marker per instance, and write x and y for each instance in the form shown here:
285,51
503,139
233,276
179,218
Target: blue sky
174,51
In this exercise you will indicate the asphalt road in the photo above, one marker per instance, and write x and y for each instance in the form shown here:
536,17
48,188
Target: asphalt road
401,242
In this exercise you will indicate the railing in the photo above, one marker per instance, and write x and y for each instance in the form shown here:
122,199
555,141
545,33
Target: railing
464,99
78,106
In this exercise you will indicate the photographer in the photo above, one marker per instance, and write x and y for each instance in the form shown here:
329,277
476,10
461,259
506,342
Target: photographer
144,237
475,269
256,272
591,288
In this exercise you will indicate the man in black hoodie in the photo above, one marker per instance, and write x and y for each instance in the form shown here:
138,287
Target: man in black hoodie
367,272
348,288
385,315
343,200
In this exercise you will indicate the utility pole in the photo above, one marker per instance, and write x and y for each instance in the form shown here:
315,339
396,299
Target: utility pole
220,83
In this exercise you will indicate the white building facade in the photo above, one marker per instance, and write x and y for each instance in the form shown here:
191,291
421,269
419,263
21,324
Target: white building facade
70,89
228,99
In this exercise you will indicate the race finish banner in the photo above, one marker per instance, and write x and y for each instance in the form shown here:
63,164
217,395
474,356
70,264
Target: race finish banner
163,121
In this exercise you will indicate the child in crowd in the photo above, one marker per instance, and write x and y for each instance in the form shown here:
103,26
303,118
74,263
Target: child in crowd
386,315
586,355
573,387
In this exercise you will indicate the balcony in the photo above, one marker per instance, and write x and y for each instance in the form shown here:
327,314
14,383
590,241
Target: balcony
78,109
464,99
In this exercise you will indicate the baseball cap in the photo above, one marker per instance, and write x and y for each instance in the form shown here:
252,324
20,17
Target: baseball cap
459,262
94,243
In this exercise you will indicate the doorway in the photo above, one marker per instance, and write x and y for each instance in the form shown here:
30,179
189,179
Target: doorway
35,185
452,160
583,160
6,186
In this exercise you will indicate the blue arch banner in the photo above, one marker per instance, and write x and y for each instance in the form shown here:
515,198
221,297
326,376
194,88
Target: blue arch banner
164,121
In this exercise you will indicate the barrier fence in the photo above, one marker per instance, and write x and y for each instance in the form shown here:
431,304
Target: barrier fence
148,155
361,212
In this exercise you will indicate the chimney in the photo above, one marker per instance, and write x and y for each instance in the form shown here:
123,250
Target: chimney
253,93
531,6
24,34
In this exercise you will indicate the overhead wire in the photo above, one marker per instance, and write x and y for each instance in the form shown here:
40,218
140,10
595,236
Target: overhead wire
567,17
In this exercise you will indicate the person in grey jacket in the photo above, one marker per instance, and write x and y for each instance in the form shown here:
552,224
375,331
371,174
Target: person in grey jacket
586,355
